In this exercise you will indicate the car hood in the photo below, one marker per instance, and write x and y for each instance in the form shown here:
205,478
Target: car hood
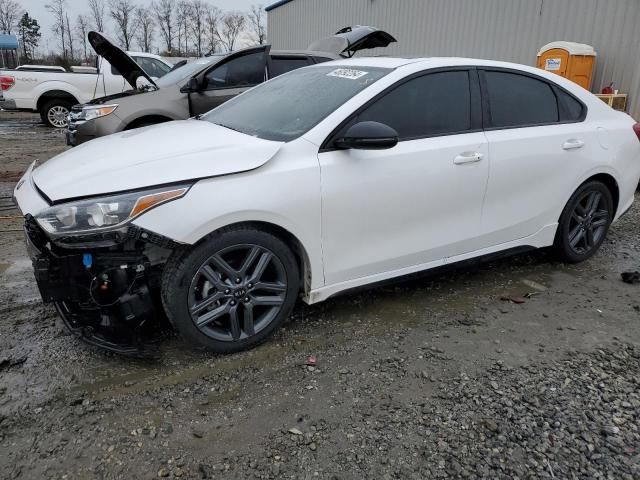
349,40
119,59
145,157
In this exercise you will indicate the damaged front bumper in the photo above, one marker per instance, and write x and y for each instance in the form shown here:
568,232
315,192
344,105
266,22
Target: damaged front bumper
105,287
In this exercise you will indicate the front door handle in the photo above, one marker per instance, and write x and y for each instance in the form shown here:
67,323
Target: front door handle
573,144
468,157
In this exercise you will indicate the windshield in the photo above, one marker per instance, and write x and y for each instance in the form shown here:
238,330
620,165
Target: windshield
186,71
290,105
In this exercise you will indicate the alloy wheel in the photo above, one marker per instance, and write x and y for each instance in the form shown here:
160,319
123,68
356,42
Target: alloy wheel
589,222
58,116
237,292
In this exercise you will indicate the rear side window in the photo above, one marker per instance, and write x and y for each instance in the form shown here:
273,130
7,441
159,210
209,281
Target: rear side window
520,101
571,110
280,65
431,105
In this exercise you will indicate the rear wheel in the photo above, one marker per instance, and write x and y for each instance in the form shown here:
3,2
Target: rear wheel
54,113
584,222
232,291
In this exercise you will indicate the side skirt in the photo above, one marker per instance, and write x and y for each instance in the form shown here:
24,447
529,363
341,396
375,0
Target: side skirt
541,239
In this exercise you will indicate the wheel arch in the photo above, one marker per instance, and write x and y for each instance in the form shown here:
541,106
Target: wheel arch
291,240
53,94
611,183
147,119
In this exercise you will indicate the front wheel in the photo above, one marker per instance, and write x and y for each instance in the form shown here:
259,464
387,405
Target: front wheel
55,112
232,291
584,223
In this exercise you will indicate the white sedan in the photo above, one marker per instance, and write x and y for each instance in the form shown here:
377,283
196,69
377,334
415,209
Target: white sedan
324,179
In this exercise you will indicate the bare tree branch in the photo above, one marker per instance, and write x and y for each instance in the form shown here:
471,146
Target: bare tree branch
183,17
121,11
233,24
212,24
98,8
257,24
163,11
82,30
198,24
144,27
59,9
10,13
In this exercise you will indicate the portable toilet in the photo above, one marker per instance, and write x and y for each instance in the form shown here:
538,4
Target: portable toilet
575,61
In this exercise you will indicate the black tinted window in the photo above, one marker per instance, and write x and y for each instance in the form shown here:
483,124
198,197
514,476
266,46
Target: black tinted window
570,108
242,71
518,101
280,65
434,104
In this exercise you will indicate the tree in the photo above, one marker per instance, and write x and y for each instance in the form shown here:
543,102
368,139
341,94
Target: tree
232,26
163,11
198,24
29,31
122,13
183,17
144,27
98,8
82,31
69,37
256,20
211,30
10,13
58,8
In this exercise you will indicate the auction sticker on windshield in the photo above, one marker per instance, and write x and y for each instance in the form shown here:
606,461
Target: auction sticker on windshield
347,73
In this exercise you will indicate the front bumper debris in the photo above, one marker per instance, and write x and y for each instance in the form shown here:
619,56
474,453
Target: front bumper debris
106,292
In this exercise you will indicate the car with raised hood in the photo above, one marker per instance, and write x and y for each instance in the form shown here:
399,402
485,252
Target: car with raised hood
203,84
52,91
324,179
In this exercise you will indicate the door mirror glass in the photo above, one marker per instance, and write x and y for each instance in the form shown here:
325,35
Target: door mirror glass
368,136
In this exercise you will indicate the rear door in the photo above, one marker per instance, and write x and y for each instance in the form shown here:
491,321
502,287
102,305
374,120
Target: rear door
232,76
539,145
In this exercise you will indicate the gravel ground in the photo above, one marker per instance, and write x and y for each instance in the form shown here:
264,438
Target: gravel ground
434,377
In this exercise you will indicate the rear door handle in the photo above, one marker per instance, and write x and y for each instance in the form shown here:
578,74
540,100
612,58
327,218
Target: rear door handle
573,144
468,157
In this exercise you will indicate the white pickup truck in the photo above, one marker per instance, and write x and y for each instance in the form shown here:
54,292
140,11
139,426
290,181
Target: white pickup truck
53,93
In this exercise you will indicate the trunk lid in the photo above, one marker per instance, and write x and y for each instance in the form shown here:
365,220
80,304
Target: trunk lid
349,40
118,58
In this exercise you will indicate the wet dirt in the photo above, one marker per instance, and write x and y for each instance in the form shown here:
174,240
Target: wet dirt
70,411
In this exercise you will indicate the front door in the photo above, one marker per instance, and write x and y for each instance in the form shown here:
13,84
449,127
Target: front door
234,75
421,201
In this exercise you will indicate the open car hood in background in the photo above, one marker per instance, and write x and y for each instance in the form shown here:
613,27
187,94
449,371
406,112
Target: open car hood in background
349,40
122,62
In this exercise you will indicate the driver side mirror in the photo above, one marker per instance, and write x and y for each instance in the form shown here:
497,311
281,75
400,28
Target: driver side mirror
193,86
368,136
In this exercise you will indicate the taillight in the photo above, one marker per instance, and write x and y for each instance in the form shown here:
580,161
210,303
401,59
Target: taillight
6,82
636,128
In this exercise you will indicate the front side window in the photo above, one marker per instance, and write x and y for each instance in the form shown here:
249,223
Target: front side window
288,106
520,101
431,105
244,71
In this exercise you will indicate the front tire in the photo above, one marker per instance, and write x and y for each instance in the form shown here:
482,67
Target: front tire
584,223
232,291
54,113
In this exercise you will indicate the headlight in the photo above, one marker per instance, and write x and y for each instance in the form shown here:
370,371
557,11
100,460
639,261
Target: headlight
108,213
89,113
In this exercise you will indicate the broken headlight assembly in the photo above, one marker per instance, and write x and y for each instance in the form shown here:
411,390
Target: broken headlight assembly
97,111
106,213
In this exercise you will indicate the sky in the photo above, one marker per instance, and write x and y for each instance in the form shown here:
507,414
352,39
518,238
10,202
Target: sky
36,9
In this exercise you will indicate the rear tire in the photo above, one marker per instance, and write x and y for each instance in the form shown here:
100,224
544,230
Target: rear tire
54,113
232,291
584,223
